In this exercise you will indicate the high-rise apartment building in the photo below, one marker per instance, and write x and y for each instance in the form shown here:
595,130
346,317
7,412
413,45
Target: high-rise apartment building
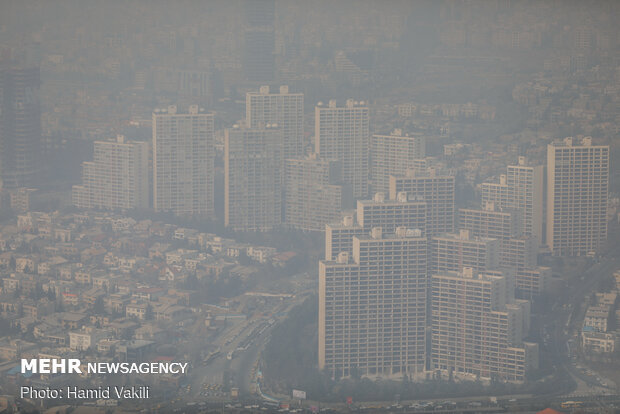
183,161
577,195
392,155
532,281
526,193
388,214
477,333
313,192
342,133
498,193
489,222
339,236
372,307
402,211
20,125
452,252
517,252
116,178
520,190
436,188
259,40
284,109
253,187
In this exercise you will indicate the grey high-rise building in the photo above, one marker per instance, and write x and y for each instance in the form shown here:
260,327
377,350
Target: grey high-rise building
454,251
259,48
577,195
388,214
117,178
253,186
283,108
314,195
183,161
436,188
372,307
393,154
520,190
20,125
478,328
342,133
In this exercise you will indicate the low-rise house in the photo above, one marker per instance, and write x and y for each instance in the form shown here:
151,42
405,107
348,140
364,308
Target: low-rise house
602,342
90,296
51,334
70,299
9,305
37,309
158,250
597,317
150,332
134,351
260,254
116,302
607,299
137,310
148,293
123,328
107,346
169,313
51,266
72,320
86,338
25,264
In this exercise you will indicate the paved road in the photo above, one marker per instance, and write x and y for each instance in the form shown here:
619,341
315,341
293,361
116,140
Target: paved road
563,322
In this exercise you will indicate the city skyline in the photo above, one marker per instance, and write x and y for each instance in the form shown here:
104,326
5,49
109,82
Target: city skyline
334,206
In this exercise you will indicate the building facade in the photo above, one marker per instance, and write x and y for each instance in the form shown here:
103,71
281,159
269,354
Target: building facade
451,252
392,155
577,195
252,178
342,133
259,40
313,192
520,190
372,307
282,108
437,189
183,161
476,332
20,125
388,214
117,178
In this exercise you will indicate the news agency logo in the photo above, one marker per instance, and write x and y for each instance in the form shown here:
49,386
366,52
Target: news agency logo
51,366
74,366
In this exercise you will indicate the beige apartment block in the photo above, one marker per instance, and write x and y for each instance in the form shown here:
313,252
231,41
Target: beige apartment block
452,252
372,307
436,188
342,133
476,332
252,178
183,161
402,211
283,108
116,178
577,195
313,192
520,190
393,154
